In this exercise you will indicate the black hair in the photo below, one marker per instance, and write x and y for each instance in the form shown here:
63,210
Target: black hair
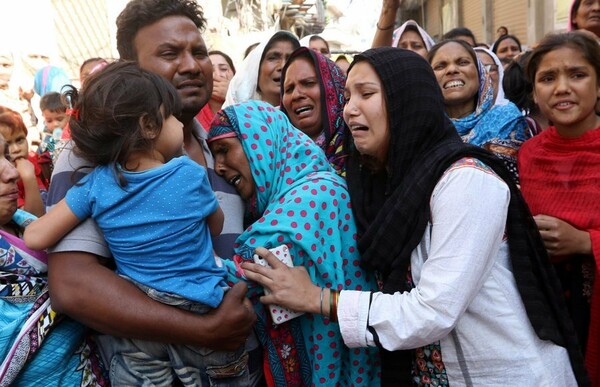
141,13
466,46
52,101
502,27
249,49
225,56
459,31
413,28
503,38
585,44
573,14
300,52
517,88
119,111
369,161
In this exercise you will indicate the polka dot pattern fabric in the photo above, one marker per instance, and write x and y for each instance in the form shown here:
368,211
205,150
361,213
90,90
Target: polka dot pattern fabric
305,205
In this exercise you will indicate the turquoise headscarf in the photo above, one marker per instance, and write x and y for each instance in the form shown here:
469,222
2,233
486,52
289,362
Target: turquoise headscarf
501,129
489,122
300,202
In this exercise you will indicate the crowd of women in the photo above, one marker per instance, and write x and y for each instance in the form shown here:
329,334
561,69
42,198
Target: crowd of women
436,201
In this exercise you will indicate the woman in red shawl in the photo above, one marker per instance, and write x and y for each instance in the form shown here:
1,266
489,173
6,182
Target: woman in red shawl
312,96
560,175
223,71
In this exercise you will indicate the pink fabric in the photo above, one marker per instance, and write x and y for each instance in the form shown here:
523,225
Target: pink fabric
225,135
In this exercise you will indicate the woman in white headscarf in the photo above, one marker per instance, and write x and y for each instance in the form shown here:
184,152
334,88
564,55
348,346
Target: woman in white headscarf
493,66
317,44
410,35
259,76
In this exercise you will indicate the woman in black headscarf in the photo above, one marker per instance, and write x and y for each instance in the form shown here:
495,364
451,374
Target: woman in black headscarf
468,295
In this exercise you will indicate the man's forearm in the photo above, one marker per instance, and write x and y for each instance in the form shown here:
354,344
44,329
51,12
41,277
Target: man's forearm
94,295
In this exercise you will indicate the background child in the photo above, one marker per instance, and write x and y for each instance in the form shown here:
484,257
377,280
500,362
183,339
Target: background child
90,66
56,118
560,171
155,208
34,171
54,112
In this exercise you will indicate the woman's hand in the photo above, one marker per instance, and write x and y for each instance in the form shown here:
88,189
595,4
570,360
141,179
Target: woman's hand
384,33
561,239
220,86
289,287
233,319
26,95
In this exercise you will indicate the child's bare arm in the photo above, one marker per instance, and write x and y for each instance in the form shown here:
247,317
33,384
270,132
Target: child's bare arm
215,222
33,199
50,228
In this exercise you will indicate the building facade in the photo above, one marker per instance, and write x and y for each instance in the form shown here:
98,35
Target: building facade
529,20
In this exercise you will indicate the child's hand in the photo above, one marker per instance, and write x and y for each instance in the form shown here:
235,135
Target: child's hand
31,192
26,95
25,168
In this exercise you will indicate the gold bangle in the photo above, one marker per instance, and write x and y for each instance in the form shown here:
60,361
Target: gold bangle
386,28
335,305
333,300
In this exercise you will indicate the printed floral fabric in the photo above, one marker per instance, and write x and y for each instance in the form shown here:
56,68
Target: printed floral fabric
428,366
39,347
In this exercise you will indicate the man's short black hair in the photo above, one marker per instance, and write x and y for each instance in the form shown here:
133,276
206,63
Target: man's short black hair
141,13
457,32
52,102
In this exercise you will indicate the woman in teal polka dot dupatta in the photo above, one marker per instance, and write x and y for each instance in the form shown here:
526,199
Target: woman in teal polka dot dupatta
294,197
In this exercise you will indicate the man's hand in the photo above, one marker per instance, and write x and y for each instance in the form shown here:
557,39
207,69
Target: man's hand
233,320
